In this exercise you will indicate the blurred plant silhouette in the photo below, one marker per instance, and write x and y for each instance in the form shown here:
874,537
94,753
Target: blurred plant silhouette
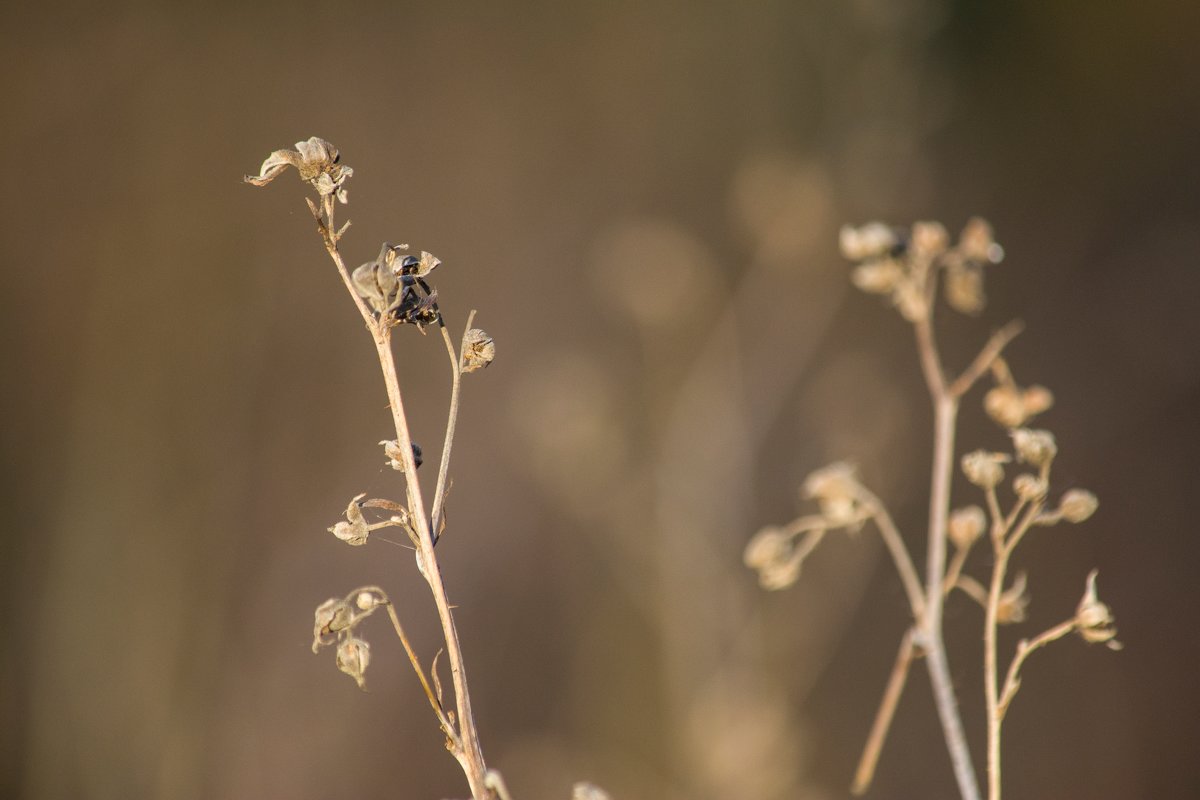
909,266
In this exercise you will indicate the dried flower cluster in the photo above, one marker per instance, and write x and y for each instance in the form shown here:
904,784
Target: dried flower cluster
909,267
389,291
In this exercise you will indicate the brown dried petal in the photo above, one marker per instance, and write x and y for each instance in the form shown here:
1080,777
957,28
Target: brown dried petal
353,655
331,616
354,530
479,350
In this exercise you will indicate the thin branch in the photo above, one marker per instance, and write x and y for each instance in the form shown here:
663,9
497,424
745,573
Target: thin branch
990,352
1025,648
883,717
456,365
447,726
900,556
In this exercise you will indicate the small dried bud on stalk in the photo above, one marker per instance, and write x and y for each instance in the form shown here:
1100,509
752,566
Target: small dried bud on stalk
1013,602
770,553
984,469
929,240
1029,488
354,530
836,489
1093,619
353,655
1077,505
965,526
332,616
479,350
873,240
1034,447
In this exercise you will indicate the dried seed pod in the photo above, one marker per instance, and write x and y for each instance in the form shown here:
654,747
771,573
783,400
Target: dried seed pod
872,240
965,526
1093,619
479,350
354,529
353,655
1034,446
1077,505
1013,602
1029,488
984,469
331,616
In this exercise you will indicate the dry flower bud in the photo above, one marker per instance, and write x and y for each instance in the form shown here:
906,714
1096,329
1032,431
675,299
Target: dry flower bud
878,277
872,240
395,456
1029,487
354,529
976,242
589,791
318,163
1077,505
353,655
1093,619
1034,446
984,469
1013,602
929,239
910,300
836,489
332,616
479,350
1037,399
768,545
965,526
368,599
1005,405
964,289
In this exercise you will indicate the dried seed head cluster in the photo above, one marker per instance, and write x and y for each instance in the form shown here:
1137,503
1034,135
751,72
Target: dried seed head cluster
910,266
336,621
1010,405
905,264
318,163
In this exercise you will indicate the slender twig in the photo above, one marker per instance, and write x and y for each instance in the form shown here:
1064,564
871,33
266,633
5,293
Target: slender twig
990,352
1025,648
443,720
883,717
900,556
456,366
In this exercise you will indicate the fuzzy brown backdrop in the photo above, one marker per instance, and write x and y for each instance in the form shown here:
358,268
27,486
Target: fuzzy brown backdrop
642,200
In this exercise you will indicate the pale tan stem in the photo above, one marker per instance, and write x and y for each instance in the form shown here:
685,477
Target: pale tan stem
1025,648
900,556
456,365
987,356
991,691
473,762
954,571
471,755
945,414
883,717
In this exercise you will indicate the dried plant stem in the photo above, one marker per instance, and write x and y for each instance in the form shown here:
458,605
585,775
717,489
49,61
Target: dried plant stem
1025,648
883,717
1005,539
456,366
469,754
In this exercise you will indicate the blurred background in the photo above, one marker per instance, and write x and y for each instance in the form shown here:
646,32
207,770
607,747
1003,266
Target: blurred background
642,200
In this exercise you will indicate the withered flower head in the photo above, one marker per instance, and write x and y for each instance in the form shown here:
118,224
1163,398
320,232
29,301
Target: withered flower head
332,616
318,163
870,241
1093,619
353,655
836,489
1029,488
984,469
1077,505
1013,602
479,350
353,530
1034,447
965,526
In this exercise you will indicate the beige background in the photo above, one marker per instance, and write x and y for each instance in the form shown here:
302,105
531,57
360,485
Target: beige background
642,200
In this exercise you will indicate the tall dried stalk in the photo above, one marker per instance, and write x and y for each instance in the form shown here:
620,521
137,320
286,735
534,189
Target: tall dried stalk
909,267
389,292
